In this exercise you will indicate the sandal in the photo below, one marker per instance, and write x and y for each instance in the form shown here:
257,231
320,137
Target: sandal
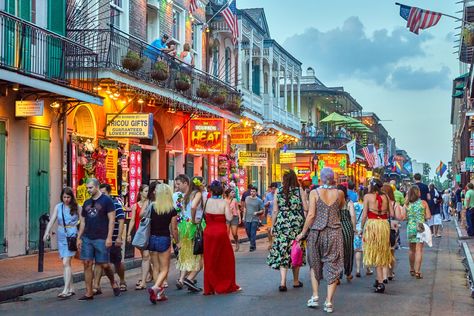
313,302
328,307
179,285
418,275
300,284
138,283
96,291
123,287
140,287
412,273
64,295
282,288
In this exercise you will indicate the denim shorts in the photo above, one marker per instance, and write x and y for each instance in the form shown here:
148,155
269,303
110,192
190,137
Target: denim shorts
95,249
159,243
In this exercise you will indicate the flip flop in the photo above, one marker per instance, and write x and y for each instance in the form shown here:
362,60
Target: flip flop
123,287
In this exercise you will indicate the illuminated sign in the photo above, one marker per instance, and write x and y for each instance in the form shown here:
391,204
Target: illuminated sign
267,141
29,108
206,136
253,159
241,135
337,162
138,125
287,158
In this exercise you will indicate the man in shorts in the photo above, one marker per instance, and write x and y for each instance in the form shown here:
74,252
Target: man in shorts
116,249
95,236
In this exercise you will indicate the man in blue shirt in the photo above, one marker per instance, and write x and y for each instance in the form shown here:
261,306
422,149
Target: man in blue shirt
158,44
116,249
353,196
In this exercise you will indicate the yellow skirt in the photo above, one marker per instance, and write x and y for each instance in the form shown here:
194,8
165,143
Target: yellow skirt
377,243
187,261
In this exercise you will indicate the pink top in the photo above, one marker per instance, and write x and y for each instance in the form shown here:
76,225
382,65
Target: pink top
234,208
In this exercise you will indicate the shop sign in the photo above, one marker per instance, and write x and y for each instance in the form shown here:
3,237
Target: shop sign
206,136
29,108
241,135
253,159
111,169
302,171
138,125
469,161
270,141
471,147
338,162
287,158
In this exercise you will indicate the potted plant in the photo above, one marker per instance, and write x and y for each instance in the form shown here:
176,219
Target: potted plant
132,61
182,82
233,104
219,97
468,36
204,91
160,71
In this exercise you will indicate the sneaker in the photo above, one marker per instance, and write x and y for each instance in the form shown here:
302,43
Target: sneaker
152,293
313,302
252,249
191,285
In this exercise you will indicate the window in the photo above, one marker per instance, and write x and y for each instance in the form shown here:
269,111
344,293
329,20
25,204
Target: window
119,14
215,62
176,30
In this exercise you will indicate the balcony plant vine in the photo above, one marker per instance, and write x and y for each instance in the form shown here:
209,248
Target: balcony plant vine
204,91
132,61
182,81
160,71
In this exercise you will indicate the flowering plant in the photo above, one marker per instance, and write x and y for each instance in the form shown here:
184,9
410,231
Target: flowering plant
179,207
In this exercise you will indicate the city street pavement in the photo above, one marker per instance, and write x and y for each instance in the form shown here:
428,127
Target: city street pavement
443,291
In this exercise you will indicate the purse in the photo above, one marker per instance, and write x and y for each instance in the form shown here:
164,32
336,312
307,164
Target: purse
71,240
198,242
142,235
420,228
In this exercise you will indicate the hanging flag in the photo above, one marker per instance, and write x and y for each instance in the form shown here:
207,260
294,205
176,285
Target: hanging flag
407,166
380,158
230,17
418,18
193,6
385,159
398,166
441,169
369,154
351,151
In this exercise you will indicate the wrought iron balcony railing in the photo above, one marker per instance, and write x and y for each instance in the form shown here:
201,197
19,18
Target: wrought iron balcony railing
128,54
323,143
28,49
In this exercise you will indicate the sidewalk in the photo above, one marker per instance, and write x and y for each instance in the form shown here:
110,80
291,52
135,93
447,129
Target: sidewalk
467,249
19,275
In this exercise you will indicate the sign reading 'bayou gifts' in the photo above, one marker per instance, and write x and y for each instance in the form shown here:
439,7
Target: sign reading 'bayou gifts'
241,135
252,159
206,136
137,125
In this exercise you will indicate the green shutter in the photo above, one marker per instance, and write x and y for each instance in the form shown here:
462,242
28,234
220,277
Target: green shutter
2,185
24,10
55,51
57,16
10,6
38,181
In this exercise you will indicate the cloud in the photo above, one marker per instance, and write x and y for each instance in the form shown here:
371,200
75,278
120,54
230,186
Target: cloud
347,51
407,78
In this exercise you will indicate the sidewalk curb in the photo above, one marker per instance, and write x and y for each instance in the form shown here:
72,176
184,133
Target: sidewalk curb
13,291
468,261
16,290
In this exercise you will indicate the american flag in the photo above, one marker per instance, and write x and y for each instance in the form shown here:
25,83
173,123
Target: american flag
418,18
230,17
193,6
369,154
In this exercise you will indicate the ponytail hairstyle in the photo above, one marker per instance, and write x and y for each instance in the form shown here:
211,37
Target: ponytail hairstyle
376,188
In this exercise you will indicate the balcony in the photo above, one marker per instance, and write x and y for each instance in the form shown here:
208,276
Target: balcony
112,46
323,143
30,50
277,115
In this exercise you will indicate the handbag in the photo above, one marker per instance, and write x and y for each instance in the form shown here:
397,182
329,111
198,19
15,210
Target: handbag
142,235
420,227
296,254
198,242
71,240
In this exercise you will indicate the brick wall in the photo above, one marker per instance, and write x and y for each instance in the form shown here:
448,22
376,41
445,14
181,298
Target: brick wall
137,16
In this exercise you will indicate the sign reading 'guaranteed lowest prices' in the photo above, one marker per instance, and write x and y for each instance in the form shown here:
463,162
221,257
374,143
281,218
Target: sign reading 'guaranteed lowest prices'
137,125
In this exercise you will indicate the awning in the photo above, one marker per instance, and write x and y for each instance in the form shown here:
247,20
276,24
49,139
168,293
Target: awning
458,94
460,86
463,76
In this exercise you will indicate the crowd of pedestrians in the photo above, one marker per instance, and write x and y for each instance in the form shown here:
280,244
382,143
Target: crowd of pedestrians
329,227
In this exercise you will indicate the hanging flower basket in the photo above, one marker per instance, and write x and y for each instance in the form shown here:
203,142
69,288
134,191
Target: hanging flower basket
203,91
132,61
160,71
233,105
468,36
219,97
182,82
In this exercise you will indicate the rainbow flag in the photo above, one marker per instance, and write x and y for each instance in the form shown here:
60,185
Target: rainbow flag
398,166
441,169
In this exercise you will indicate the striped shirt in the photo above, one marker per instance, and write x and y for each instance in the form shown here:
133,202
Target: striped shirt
119,215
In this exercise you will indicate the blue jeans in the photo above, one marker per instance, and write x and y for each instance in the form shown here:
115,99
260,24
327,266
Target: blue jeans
446,211
251,229
470,221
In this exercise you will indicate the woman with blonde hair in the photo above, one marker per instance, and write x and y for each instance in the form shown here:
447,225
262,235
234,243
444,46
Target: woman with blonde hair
377,209
162,214
186,55
417,212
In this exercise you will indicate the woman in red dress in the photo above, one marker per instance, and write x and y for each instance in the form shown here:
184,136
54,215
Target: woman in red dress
219,260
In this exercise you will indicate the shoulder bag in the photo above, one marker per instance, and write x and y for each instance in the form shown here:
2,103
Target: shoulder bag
142,235
198,241
71,240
